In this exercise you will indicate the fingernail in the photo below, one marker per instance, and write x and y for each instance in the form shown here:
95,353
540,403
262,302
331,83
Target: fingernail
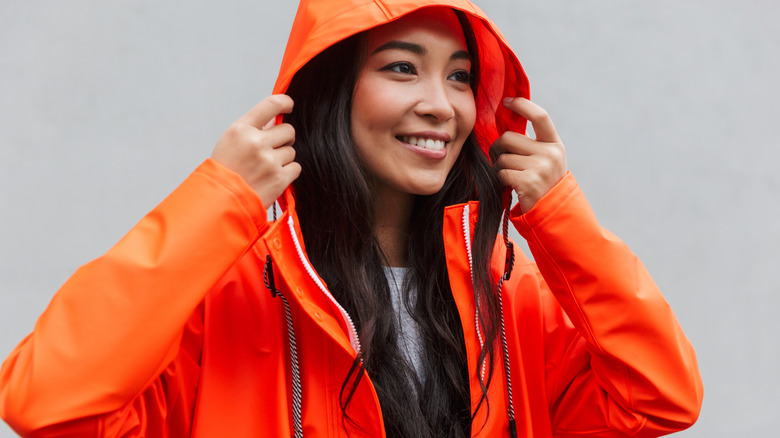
508,100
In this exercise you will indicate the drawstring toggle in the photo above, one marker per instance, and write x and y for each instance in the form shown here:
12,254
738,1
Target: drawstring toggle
268,276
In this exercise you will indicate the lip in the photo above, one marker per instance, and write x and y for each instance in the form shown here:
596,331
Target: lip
425,153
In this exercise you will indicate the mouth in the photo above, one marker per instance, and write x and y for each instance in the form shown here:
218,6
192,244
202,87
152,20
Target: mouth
423,142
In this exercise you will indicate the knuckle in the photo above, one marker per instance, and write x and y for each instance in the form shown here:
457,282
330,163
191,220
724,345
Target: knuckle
256,143
544,170
501,162
262,140
512,137
295,170
514,162
510,142
508,137
264,160
497,143
249,133
290,132
503,175
559,154
234,130
538,114
510,177
556,153
275,99
280,100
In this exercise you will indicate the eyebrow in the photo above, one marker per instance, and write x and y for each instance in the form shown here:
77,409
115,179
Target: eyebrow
401,45
417,49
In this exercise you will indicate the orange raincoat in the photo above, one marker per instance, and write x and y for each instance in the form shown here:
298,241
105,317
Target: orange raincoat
174,333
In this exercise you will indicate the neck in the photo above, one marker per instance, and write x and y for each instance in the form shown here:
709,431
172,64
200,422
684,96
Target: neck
393,210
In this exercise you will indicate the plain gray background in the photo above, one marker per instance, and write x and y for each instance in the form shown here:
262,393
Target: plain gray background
668,109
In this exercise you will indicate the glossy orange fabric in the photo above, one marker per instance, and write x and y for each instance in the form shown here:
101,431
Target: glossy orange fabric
172,332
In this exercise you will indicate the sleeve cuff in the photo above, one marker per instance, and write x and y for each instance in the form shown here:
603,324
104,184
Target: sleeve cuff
546,207
238,187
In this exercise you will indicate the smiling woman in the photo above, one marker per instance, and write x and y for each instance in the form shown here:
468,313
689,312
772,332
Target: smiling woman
383,301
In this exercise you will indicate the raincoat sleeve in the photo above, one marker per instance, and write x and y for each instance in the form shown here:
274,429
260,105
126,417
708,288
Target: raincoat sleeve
617,360
118,348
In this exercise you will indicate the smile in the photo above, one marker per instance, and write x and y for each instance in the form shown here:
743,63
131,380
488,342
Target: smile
427,143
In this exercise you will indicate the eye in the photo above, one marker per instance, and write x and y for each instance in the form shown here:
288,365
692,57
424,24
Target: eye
401,67
461,76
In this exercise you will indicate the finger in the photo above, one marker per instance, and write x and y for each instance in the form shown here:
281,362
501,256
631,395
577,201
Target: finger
515,143
542,123
284,155
269,189
279,135
526,184
289,173
293,170
515,179
515,162
267,109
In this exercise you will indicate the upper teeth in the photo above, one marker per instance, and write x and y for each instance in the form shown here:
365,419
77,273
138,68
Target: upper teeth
427,143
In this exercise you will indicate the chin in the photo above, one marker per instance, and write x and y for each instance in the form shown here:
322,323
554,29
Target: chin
427,189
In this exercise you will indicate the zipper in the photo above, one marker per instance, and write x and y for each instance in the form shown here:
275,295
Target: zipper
509,264
467,237
353,337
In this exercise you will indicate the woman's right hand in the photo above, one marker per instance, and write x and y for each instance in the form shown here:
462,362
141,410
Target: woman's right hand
260,151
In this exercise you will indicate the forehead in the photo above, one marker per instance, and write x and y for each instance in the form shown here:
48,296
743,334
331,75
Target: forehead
439,23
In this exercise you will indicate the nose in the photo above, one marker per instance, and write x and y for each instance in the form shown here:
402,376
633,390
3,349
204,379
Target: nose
434,102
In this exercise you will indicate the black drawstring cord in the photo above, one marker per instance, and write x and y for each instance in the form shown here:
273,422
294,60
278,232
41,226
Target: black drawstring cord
508,265
268,279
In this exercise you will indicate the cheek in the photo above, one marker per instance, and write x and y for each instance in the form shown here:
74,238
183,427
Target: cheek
467,116
371,103
468,113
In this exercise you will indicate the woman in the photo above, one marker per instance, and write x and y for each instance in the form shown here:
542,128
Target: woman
381,301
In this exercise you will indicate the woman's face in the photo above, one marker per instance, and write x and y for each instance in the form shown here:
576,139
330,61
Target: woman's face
413,107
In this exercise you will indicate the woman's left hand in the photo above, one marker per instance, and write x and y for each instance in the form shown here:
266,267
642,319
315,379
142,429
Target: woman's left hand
530,166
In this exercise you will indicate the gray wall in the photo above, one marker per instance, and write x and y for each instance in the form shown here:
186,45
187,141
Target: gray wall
666,108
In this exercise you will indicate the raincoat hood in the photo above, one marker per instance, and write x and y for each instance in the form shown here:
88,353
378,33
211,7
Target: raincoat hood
321,23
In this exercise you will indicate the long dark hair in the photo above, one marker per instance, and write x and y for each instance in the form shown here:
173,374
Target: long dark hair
347,255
